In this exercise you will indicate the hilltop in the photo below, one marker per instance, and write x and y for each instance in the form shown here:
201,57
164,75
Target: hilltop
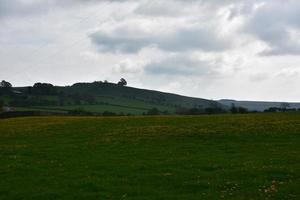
100,97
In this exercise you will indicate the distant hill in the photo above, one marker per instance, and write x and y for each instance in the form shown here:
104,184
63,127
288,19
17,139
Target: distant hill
98,97
256,105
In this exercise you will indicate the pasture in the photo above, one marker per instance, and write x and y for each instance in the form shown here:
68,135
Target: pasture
253,156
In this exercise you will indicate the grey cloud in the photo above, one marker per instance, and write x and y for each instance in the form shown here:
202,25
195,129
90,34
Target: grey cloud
181,66
259,77
161,8
173,8
242,8
17,7
144,7
272,24
119,44
14,8
191,39
123,40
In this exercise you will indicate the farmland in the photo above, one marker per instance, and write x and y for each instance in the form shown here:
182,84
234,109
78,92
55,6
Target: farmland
252,156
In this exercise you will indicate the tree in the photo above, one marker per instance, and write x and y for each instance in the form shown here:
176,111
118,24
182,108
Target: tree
284,106
5,87
272,109
153,111
1,105
242,110
5,84
214,110
108,113
233,109
43,89
122,82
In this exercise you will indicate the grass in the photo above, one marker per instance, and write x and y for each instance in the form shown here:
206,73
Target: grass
254,156
88,108
45,109
111,104
102,108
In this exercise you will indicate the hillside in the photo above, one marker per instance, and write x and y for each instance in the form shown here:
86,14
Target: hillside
257,105
99,97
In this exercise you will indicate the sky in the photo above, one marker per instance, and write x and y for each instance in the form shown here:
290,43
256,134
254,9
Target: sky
214,49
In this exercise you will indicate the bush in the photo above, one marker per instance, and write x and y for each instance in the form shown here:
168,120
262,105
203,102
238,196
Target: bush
79,111
153,111
199,111
236,110
1,105
107,113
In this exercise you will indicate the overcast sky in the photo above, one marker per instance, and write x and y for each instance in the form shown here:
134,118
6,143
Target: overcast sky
215,49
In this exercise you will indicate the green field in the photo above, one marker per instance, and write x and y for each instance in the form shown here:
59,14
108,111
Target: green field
255,156
115,105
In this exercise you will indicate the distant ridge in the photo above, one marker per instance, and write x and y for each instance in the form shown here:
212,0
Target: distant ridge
257,105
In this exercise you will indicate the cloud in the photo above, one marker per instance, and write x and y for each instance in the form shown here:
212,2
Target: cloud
242,8
259,77
128,66
181,66
176,8
170,8
19,8
131,38
289,73
277,24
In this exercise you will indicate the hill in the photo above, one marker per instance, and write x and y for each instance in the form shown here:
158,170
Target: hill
258,105
99,97
251,156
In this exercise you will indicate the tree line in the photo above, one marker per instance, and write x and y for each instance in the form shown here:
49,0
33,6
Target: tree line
36,95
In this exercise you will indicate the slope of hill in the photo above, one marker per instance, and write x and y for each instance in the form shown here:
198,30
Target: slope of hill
257,105
98,97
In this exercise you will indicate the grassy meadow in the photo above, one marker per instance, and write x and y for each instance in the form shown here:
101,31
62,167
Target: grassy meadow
253,156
